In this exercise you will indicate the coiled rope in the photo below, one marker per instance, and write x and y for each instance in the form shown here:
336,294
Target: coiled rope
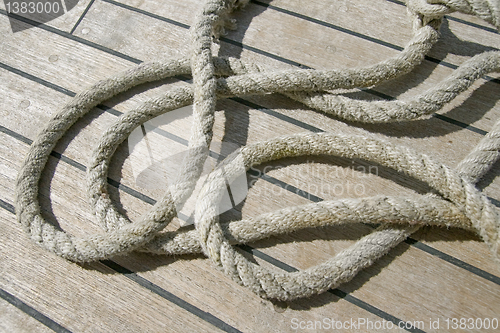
458,204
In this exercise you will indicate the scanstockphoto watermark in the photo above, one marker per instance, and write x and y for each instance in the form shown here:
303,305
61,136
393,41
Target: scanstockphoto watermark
353,324
156,155
366,324
319,180
31,13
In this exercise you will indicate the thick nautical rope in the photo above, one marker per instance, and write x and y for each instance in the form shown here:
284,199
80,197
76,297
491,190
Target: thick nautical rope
214,239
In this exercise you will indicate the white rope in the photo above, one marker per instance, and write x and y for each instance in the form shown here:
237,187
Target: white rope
461,205
285,286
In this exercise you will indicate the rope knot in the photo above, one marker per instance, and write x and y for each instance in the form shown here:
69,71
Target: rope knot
428,10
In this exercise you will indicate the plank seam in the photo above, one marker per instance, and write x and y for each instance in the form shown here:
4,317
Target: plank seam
206,316
337,292
31,311
80,19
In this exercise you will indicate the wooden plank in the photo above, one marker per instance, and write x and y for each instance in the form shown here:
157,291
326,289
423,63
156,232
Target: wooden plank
103,301
14,320
62,207
406,127
88,138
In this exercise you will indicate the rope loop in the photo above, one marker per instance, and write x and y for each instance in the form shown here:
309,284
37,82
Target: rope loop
287,286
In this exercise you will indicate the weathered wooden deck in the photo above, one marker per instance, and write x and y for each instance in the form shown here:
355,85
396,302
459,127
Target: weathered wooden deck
435,275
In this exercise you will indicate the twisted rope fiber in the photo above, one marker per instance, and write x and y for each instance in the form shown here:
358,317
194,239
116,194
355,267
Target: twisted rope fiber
123,236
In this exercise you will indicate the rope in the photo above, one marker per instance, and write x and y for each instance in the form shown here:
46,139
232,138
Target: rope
458,204
285,286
